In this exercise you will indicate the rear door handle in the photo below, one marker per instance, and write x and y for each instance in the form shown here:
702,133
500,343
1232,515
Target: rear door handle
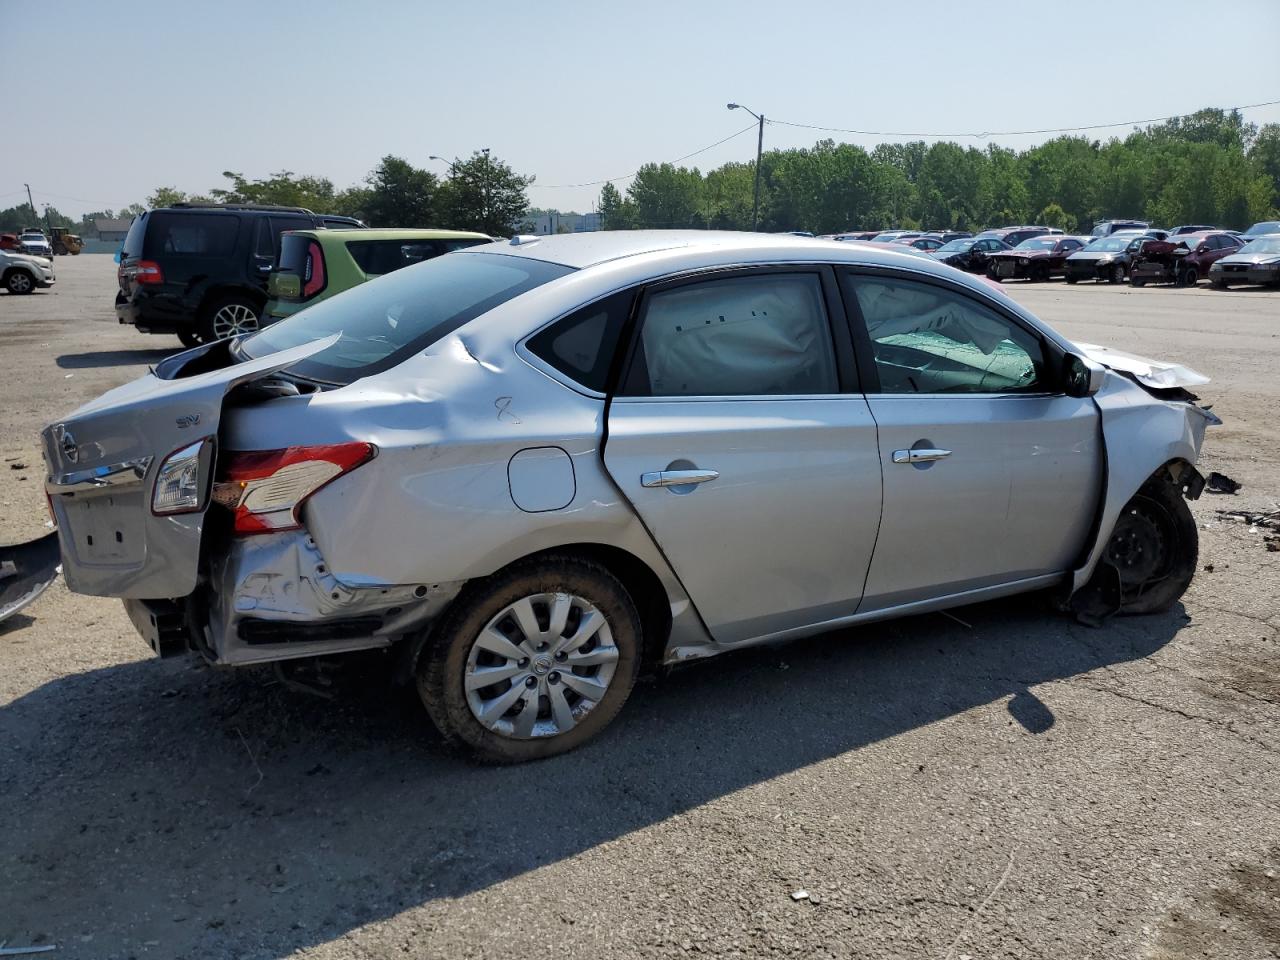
920,455
676,478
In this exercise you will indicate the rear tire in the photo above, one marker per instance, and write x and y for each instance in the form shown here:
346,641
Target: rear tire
1117,273
1154,547
228,316
556,718
1039,273
1137,281
1072,280
1190,277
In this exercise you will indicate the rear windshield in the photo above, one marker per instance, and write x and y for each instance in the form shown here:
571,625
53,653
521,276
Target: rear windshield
190,234
385,322
377,257
1110,244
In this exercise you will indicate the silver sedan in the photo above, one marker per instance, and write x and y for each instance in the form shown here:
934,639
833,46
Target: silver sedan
531,467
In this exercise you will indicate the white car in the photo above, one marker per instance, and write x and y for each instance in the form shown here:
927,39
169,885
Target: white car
23,273
35,243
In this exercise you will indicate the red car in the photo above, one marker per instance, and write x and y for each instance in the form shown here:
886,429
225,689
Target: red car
1183,259
1037,258
8,241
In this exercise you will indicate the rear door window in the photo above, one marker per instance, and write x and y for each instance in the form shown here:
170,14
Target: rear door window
190,234
134,238
756,335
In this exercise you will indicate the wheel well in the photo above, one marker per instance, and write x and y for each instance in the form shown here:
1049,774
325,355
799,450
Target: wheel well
646,590
16,269
1182,474
217,293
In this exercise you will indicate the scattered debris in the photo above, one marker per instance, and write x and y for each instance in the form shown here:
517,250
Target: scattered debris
1270,519
1208,568
800,895
1221,483
1272,544
253,758
17,465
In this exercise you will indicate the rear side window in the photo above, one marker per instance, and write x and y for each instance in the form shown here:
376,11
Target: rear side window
190,234
765,335
582,346
378,257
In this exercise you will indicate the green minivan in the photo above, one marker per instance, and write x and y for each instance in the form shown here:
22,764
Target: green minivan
313,265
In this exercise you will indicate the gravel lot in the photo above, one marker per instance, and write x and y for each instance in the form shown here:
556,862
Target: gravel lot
1017,786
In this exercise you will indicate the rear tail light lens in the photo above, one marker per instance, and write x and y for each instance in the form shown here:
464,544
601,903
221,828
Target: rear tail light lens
179,484
147,272
266,489
313,278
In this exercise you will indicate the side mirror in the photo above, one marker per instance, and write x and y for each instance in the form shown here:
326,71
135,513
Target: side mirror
1083,376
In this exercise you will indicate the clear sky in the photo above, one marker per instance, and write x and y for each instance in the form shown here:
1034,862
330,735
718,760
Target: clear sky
104,101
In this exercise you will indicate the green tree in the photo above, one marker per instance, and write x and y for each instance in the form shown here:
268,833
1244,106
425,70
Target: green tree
485,194
616,213
165,197
1054,216
282,188
402,195
666,197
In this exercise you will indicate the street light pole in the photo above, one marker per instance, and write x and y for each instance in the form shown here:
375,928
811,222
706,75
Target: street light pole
755,204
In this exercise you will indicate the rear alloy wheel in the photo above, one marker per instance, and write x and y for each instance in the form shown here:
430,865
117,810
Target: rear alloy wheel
1153,547
1117,273
228,317
20,282
533,661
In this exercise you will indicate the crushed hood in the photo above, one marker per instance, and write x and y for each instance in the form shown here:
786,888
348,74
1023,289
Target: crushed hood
1156,374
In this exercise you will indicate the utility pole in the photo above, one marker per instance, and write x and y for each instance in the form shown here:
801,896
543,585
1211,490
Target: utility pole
755,204
485,189
32,204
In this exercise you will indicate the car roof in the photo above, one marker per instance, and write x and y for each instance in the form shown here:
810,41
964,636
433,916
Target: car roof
584,250
390,233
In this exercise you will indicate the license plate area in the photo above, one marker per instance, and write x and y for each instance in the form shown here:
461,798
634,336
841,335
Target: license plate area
108,529
1006,268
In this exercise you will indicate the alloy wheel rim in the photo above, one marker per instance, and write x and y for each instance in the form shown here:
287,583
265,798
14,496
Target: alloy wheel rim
20,283
540,666
232,320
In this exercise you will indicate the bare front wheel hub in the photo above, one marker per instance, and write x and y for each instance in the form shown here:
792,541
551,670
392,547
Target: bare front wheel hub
540,666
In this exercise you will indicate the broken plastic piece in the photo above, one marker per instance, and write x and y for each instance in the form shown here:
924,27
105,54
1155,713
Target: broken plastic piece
1221,483
26,570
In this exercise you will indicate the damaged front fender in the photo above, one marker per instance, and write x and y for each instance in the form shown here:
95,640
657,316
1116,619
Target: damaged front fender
1142,434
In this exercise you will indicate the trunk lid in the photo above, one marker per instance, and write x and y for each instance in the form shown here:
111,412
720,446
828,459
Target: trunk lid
103,460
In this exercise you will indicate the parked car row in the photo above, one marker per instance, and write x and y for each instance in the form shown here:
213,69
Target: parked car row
206,272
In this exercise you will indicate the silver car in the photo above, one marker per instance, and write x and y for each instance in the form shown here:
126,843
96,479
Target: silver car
529,468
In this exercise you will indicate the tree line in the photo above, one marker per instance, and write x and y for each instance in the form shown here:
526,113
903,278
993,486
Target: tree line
479,193
1210,167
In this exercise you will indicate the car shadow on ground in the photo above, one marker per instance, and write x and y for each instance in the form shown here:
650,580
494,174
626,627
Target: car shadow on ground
217,812
114,358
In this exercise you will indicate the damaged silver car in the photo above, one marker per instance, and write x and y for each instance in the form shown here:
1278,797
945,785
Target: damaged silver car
530,468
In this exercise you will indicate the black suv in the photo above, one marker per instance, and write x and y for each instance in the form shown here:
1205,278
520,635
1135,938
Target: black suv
200,270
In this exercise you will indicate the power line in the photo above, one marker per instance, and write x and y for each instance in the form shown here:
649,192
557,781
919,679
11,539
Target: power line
596,183
1001,133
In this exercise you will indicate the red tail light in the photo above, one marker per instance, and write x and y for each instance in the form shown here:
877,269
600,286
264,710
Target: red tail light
313,278
267,488
148,271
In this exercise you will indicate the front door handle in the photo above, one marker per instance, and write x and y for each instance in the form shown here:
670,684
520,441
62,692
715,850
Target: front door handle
676,478
920,455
